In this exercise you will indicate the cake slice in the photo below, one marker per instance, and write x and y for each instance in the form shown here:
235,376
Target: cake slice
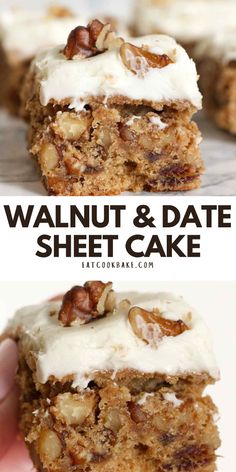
110,384
216,58
23,34
108,115
187,21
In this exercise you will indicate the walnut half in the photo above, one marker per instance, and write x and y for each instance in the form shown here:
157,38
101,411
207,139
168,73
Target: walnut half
151,327
89,41
84,304
140,61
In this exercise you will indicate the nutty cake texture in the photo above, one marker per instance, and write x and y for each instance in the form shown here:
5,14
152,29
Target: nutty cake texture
120,414
109,127
188,22
216,58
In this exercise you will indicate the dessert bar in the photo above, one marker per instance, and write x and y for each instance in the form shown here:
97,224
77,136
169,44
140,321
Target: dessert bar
216,58
113,384
108,115
187,21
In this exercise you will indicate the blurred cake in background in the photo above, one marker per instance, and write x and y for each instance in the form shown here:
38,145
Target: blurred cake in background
23,33
187,21
216,57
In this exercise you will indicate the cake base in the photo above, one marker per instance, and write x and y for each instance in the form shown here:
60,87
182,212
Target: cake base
115,147
130,421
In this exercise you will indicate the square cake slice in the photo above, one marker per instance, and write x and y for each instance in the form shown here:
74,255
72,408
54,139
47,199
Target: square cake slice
110,385
108,116
187,21
217,66
23,33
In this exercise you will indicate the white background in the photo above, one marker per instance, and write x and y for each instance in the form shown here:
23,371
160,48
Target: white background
215,301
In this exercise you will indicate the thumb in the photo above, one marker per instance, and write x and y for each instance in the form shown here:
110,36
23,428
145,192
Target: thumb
8,366
8,421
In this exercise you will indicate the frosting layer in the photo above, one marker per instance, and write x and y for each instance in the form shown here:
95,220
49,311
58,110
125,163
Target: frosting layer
110,343
105,75
185,20
26,33
220,46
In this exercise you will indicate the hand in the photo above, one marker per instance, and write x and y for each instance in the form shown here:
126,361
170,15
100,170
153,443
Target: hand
13,454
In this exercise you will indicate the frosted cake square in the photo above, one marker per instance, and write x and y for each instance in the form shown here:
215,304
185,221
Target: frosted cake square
188,22
216,58
108,115
111,384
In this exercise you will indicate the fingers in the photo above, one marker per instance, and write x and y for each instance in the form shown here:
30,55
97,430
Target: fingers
16,459
8,420
8,365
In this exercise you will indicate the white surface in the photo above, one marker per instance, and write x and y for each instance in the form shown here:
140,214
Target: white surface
215,301
185,20
18,174
111,344
106,75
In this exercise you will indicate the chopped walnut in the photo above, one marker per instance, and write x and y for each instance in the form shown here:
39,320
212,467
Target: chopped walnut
91,40
151,327
84,304
74,409
49,446
140,61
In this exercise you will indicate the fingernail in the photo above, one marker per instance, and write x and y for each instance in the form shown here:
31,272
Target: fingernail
8,366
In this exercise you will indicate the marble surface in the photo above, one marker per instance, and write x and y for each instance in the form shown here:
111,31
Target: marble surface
19,176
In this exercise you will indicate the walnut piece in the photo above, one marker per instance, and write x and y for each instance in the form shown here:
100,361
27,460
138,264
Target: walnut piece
84,304
73,409
91,40
49,446
140,61
113,420
71,126
48,157
151,327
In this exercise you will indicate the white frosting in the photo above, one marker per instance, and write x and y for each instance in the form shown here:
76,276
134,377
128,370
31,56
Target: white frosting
110,343
184,19
105,75
26,33
156,120
171,397
220,46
